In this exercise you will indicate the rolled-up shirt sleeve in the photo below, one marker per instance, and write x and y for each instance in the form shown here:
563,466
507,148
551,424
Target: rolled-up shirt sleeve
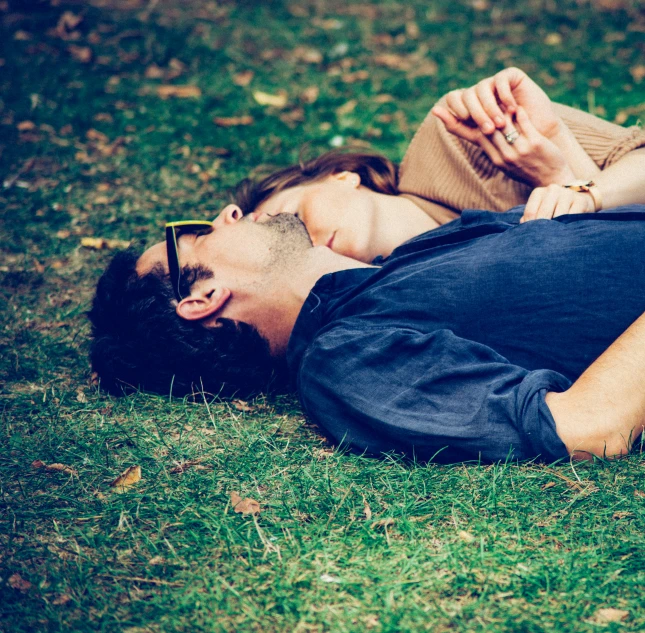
431,395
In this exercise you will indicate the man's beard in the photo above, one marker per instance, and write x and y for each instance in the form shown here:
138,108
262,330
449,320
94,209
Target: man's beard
290,239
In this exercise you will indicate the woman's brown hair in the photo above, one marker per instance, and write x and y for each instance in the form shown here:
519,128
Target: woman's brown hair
376,172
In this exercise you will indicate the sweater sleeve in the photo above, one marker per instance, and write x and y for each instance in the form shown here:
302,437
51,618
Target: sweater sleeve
452,172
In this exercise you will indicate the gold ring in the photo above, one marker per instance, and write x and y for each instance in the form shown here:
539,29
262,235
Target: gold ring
512,136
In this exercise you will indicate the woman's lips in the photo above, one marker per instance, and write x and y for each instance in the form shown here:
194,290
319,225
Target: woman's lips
330,241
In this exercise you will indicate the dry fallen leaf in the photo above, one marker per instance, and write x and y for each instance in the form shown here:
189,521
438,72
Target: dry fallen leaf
26,126
466,536
16,581
61,468
330,578
81,54
128,477
611,615
99,243
56,467
184,466
244,506
264,98
346,108
548,485
367,510
639,493
63,598
638,73
383,523
244,78
232,121
309,95
241,405
154,72
182,92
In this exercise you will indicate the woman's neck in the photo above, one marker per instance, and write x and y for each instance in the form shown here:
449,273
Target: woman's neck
397,221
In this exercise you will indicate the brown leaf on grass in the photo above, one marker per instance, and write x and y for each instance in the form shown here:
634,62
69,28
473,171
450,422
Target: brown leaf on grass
383,523
182,467
100,243
346,108
467,537
278,100
61,468
54,468
307,55
26,126
154,72
181,92
367,510
244,506
353,77
244,78
242,405
611,615
394,61
548,485
67,22
638,72
233,121
310,94
62,599
95,135
22,36
639,493
16,581
81,54
127,478
617,516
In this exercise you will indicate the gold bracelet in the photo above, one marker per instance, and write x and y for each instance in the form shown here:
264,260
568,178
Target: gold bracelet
589,187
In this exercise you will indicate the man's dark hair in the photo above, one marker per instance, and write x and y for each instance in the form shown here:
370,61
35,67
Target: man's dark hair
141,343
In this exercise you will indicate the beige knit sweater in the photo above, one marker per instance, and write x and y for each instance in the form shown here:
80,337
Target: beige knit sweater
444,174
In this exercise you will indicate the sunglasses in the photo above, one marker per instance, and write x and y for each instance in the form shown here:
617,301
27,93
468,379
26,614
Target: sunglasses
173,231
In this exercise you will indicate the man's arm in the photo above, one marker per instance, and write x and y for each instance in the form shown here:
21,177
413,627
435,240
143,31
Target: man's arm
603,412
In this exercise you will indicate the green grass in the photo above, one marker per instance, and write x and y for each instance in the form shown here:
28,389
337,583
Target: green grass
342,542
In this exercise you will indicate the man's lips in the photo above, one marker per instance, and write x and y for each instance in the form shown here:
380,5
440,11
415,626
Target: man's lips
330,241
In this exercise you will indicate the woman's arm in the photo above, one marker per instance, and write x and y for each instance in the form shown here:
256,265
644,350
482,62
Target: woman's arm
621,183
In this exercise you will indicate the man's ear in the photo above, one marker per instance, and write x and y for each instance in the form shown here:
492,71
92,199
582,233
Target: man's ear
350,177
204,301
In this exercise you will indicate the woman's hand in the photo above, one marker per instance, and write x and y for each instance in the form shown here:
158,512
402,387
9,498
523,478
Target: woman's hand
519,149
485,104
549,202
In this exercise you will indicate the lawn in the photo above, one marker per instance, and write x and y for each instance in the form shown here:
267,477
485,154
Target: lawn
116,115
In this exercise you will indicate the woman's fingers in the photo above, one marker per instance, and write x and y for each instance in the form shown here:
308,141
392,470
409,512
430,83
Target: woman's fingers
455,126
533,205
486,94
505,81
477,112
555,200
455,103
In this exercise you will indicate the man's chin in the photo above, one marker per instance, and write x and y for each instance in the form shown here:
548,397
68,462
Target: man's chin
289,227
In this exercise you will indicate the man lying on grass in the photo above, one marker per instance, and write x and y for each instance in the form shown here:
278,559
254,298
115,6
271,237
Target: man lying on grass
483,339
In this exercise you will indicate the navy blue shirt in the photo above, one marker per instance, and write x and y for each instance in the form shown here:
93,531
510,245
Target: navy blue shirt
448,349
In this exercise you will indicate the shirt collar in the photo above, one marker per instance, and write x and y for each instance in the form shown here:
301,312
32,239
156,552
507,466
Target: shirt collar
317,308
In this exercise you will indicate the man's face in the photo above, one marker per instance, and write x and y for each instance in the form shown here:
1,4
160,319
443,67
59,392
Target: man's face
235,246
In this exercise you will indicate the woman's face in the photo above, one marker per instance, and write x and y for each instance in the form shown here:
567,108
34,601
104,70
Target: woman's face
338,212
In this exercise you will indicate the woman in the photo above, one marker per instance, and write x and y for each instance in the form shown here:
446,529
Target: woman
493,146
